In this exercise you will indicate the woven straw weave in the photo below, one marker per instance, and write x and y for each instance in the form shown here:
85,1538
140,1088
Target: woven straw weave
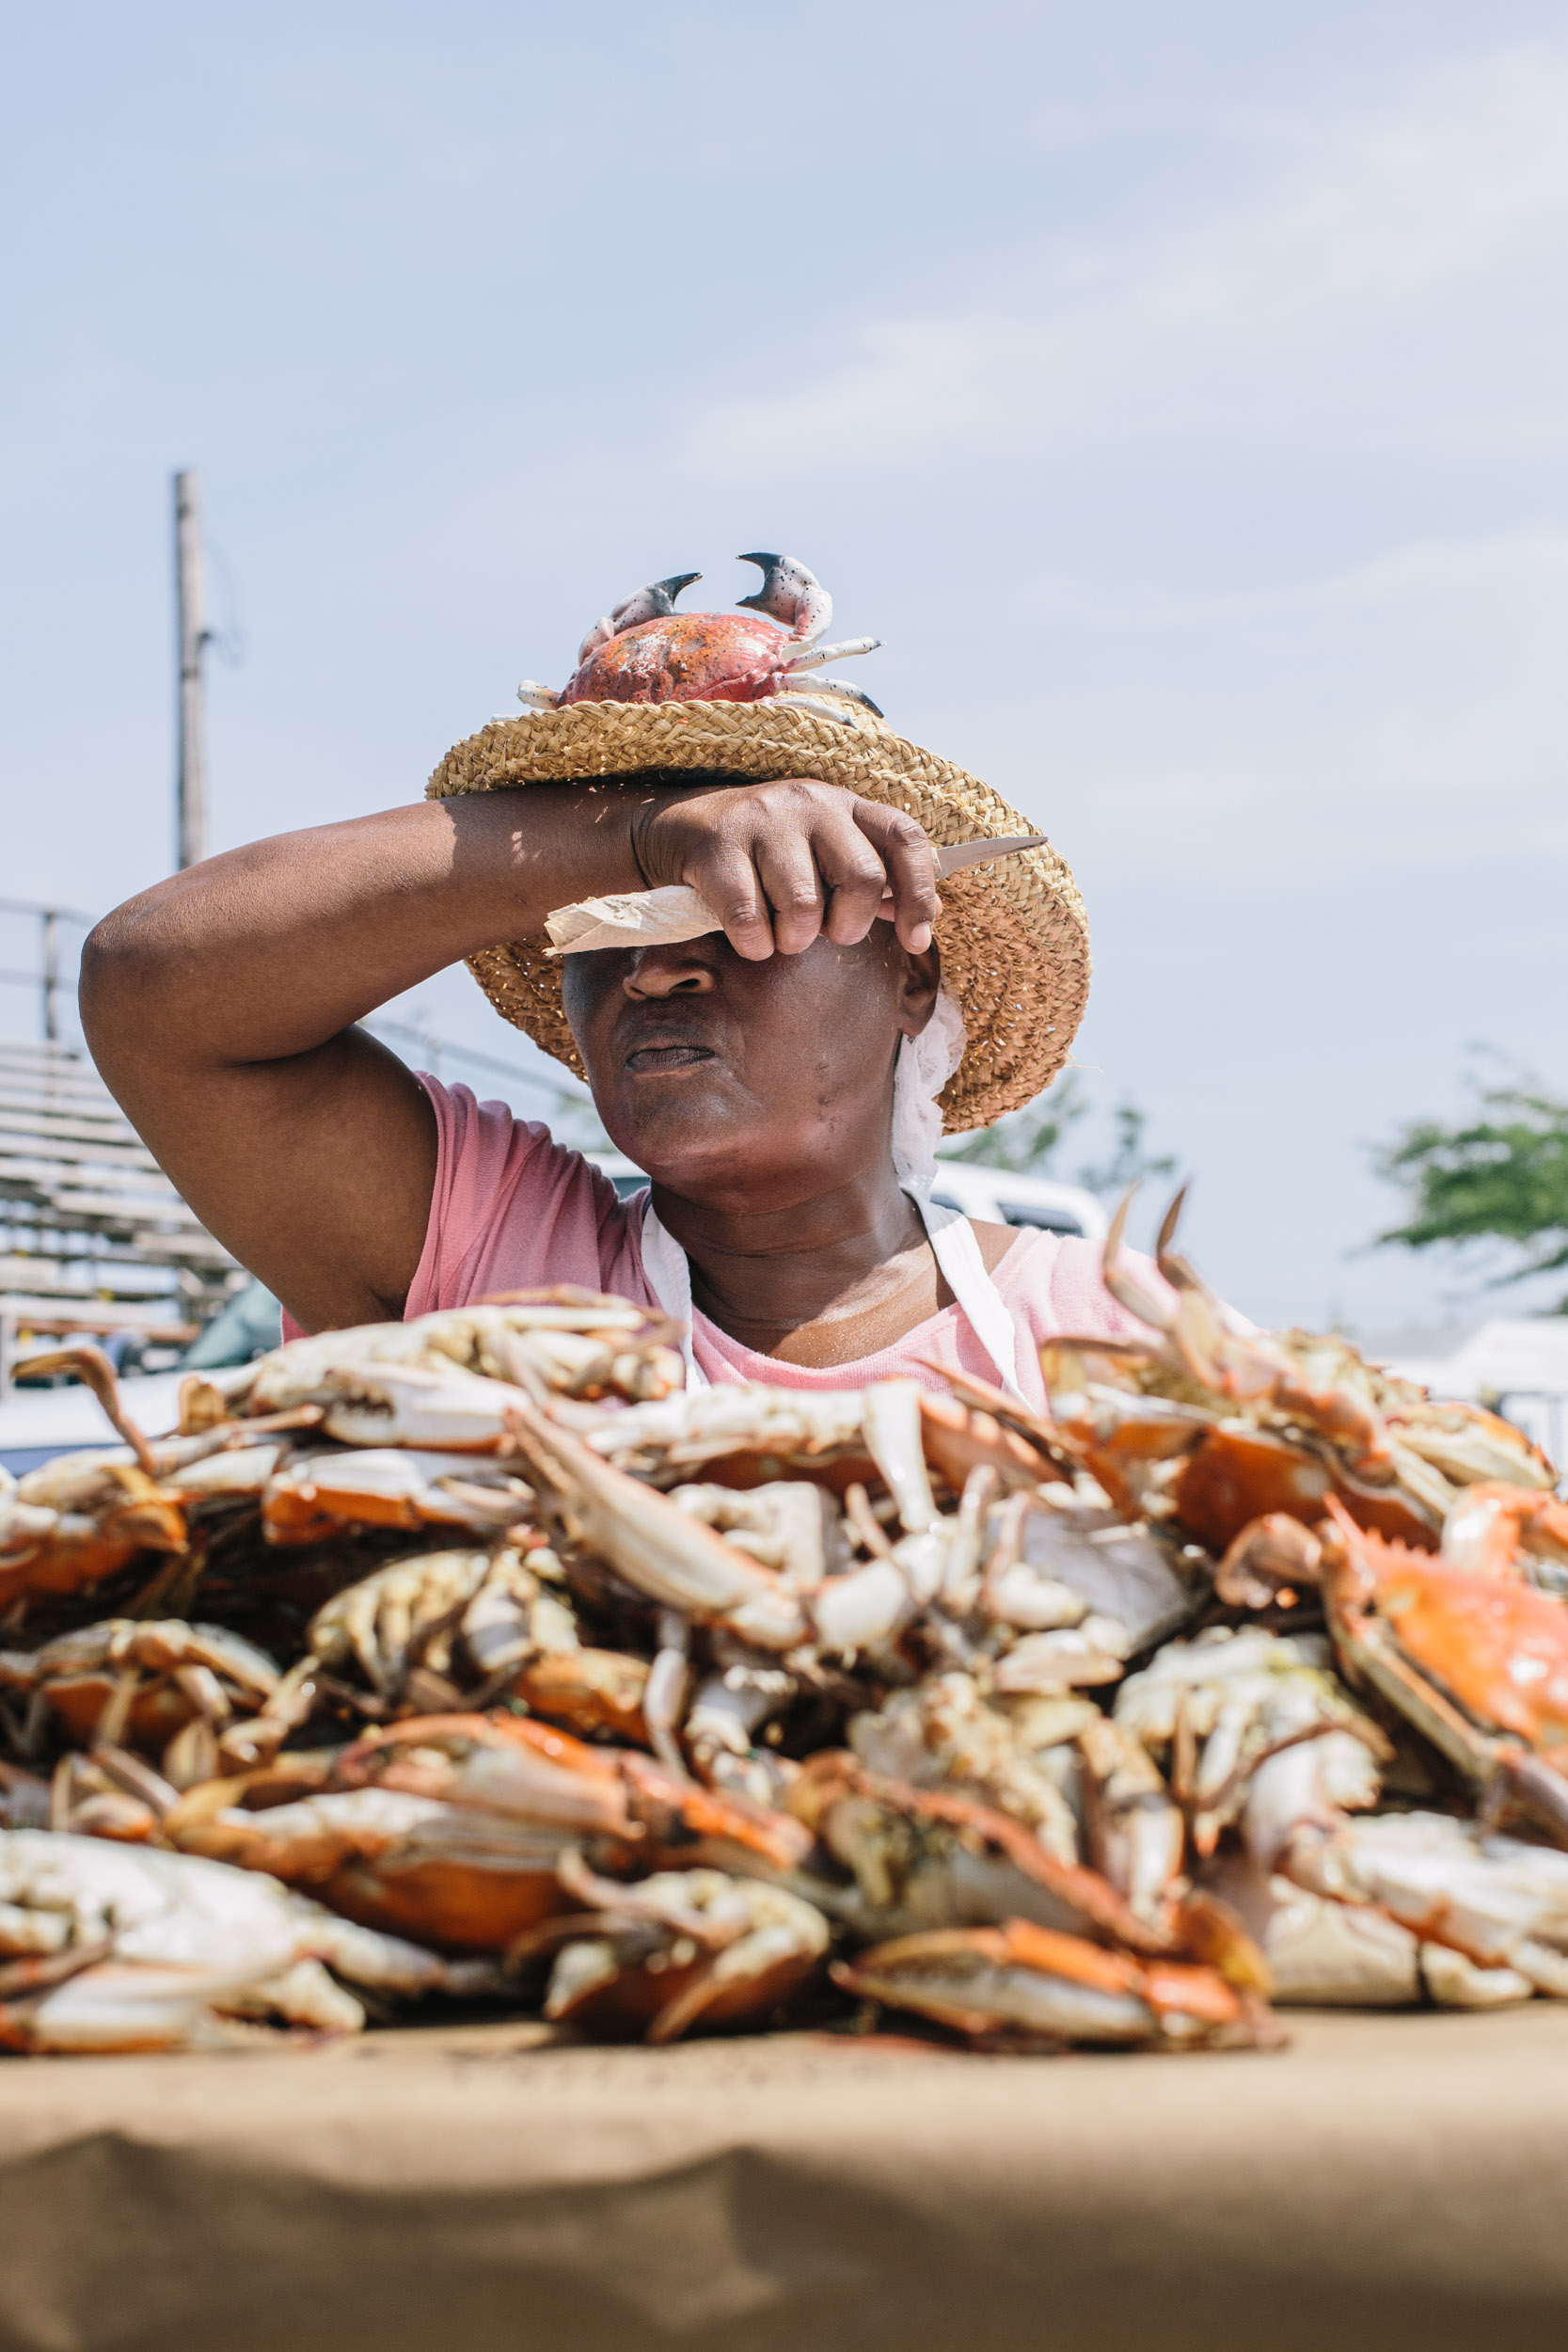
1014,938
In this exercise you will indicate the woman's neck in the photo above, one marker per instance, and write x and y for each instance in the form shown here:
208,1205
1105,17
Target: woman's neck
822,1281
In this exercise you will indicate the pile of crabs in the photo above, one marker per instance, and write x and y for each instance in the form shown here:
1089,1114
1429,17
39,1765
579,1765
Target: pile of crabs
477,1656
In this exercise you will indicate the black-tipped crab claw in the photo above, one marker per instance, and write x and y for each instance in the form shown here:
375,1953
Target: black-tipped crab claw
790,593
655,602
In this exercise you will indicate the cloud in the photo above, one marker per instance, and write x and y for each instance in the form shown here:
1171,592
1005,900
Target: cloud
1401,713
1314,284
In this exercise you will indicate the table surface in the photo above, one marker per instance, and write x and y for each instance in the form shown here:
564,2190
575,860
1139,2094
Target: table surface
1389,2180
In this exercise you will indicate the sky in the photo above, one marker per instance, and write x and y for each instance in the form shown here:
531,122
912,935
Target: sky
1182,395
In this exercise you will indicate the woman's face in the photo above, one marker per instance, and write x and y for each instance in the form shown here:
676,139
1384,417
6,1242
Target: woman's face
749,1085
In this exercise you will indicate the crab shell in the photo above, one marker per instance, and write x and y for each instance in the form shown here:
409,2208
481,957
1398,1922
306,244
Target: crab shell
1499,1647
1478,1663
687,656
1027,1980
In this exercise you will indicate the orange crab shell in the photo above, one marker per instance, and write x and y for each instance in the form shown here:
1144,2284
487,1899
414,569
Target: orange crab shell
1236,1475
589,1691
685,657
1499,1648
453,1906
76,1556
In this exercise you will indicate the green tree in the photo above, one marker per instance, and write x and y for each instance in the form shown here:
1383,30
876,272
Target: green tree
1129,1162
1029,1143
1499,1176
1025,1143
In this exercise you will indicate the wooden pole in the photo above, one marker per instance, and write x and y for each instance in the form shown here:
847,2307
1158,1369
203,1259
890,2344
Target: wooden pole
194,635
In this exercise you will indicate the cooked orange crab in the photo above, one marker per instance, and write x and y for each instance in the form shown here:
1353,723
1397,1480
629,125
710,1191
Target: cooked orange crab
1211,1424
1021,1982
1477,1662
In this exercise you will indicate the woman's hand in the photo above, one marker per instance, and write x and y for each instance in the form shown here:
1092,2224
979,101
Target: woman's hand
781,863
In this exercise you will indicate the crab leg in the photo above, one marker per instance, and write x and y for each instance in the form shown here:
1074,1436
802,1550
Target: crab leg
819,654
815,705
829,686
664,1695
95,1371
890,1419
663,1550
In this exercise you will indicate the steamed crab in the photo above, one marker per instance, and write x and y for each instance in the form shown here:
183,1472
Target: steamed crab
438,1628
566,1341
1211,1424
167,1688
322,1490
1479,1663
1222,1707
681,1948
110,1947
646,652
450,1828
1350,1905
418,1616
79,1519
1054,1763
1477,1659
746,1433
896,1859
1021,1986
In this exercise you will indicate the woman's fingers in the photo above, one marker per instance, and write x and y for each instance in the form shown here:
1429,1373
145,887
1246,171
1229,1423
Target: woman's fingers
906,856
728,881
856,881
784,861
781,863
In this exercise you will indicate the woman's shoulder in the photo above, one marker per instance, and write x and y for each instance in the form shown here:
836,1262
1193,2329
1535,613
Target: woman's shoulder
514,1208
1056,1283
489,1144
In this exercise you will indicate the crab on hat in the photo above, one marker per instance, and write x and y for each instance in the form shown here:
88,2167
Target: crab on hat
694,694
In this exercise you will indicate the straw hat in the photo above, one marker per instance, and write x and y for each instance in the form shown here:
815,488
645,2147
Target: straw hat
1014,938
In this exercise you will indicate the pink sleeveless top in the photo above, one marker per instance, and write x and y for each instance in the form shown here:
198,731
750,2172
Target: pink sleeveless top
512,1210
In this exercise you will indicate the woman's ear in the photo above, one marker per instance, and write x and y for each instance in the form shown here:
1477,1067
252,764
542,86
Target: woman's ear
918,994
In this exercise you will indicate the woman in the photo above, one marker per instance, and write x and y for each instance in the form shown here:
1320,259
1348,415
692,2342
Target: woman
756,1071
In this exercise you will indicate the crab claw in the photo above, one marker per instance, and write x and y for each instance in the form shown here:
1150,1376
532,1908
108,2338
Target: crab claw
1121,1281
537,698
655,602
792,594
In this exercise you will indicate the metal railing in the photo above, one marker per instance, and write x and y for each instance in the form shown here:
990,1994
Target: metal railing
50,985
45,977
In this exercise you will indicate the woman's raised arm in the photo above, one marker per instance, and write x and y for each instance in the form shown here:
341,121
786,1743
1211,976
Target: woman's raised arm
220,1005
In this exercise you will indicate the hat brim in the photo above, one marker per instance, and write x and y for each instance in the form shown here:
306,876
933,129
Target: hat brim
1014,938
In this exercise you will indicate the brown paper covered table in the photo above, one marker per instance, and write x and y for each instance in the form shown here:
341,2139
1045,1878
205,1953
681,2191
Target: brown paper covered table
1389,2182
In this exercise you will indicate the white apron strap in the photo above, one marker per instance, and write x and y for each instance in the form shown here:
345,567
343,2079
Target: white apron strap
669,1272
957,1253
